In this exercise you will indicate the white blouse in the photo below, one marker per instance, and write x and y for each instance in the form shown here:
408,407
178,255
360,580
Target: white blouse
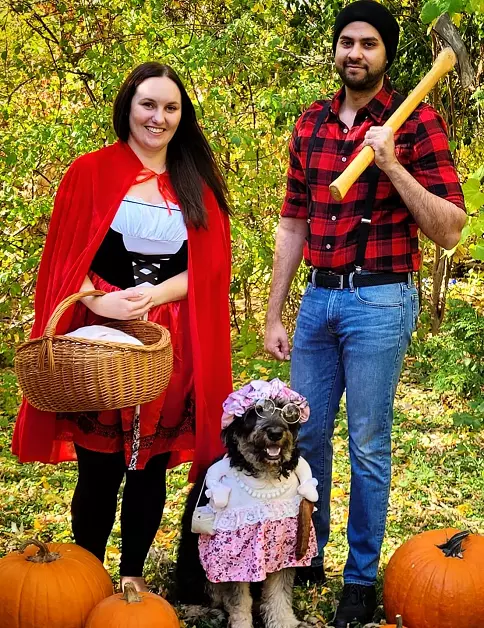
148,228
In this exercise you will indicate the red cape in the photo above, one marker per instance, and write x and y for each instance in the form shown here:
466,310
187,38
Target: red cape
86,203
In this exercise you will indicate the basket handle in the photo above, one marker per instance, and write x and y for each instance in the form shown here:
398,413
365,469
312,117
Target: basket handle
46,350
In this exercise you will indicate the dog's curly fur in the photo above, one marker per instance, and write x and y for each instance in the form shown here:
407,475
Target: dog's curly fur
247,440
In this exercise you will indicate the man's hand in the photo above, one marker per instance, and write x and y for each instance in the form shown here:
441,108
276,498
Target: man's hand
276,342
381,139
291,235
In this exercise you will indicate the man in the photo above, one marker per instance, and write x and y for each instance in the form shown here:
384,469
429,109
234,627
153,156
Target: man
360,307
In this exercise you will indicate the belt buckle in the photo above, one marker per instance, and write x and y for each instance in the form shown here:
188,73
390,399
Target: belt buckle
341,280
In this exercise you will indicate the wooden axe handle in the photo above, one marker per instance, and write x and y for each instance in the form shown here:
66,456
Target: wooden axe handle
443,64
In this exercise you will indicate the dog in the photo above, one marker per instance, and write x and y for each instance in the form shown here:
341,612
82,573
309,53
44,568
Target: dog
261,444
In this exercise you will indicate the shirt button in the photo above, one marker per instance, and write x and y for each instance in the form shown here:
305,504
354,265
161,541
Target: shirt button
343,158
328,246
345,130
333,217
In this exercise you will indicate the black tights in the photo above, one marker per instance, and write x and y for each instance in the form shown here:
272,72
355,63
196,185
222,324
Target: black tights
95,500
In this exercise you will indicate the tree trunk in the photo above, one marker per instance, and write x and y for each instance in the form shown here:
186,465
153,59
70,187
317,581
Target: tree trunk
440,283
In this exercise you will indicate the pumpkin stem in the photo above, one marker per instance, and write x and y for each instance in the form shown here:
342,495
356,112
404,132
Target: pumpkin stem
399,621
43,555
453,547
131,595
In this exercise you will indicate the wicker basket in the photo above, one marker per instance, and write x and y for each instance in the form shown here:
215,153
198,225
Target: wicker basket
67,374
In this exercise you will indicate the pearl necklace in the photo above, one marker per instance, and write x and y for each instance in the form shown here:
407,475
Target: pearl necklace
260,493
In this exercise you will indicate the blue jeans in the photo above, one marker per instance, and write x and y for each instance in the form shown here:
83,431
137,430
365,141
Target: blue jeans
354,340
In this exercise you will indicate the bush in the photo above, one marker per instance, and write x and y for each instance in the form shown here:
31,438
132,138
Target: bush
453,360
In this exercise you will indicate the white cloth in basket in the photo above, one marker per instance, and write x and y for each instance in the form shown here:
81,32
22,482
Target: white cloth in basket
100,332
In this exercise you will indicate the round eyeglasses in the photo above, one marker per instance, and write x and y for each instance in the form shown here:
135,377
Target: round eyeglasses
290,413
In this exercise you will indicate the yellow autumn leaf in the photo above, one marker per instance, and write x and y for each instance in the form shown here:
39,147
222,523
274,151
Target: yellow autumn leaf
464,509
170,535
337,492
457,19
113,550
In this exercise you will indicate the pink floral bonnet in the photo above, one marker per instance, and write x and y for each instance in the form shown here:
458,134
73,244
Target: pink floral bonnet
238,402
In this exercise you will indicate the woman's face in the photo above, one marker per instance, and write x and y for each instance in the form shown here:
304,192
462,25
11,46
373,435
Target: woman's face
155,113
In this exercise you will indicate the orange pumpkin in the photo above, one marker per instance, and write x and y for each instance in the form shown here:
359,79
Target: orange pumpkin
437,579
133,609
55,587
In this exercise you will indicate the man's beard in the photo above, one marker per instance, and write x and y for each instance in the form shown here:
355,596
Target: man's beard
367,81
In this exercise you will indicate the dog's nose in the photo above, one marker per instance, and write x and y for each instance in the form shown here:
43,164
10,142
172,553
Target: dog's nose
275,433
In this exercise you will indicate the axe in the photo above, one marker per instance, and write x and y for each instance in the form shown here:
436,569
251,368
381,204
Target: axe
454,51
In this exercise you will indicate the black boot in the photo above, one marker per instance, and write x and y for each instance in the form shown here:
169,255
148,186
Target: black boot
310,575
357,605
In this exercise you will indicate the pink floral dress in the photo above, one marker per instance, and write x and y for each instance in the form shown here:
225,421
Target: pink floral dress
256,533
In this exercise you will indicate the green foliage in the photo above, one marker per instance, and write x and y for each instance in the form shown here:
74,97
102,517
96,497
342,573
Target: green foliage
472,193
62,66
251,68
438,470
453,361
472,418
433,8
9,397
474,230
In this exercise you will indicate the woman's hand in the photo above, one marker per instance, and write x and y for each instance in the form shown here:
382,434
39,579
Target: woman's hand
121,305
173,289
154,293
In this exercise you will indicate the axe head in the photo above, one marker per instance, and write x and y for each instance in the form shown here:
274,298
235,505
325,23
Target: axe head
448,33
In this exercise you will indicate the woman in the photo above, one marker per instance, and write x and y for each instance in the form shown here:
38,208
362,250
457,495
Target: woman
145,220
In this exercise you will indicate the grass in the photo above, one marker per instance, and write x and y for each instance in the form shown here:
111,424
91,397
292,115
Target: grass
438,481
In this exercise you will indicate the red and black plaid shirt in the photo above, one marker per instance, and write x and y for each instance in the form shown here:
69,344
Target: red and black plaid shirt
421,145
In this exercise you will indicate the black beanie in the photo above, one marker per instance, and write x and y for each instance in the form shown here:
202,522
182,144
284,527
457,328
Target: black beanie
375,14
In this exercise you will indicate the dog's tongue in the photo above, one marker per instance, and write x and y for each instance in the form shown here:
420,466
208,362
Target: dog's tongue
273,451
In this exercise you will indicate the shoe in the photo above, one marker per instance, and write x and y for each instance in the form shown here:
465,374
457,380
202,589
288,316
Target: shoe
310,575
357,605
